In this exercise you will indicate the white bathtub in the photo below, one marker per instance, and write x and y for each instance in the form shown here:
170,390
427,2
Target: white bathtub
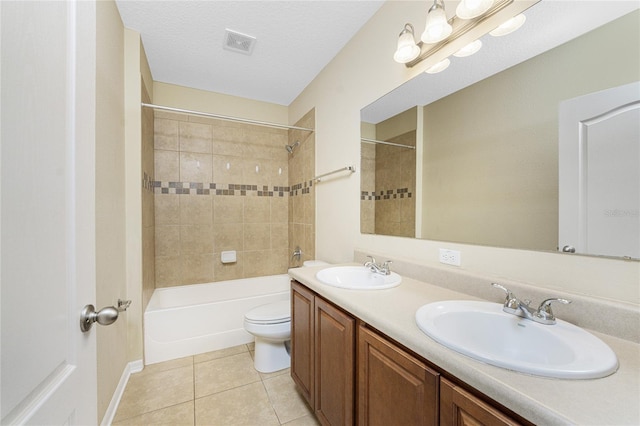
192,319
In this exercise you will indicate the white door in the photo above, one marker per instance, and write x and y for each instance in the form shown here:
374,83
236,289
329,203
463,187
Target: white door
47,211
600,172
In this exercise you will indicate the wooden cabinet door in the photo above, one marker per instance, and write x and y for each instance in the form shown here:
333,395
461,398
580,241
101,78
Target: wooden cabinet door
302,341
459,407
334,364
394,387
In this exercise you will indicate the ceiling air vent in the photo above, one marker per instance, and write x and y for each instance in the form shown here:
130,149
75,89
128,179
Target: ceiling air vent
238,42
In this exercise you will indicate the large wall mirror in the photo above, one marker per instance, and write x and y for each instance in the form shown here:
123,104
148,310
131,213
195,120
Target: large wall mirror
532,143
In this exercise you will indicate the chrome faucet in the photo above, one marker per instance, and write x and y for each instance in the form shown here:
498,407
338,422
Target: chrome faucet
515,306
297,253
383,269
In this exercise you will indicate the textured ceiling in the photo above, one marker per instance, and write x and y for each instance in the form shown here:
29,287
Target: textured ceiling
295,40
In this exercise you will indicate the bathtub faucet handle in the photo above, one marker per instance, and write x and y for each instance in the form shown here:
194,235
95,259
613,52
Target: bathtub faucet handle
297,253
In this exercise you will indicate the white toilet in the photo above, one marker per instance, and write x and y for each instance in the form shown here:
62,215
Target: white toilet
271,326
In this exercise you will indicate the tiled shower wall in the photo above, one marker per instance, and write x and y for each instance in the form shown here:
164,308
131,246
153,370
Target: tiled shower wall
219,186
302,204
367,188
391,207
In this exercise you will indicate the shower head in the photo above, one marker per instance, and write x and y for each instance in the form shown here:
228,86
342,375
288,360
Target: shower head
291,147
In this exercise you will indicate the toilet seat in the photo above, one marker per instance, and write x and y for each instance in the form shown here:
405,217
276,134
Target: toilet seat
272,313
271,326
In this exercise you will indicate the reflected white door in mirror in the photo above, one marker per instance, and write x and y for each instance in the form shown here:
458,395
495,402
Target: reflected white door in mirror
598,171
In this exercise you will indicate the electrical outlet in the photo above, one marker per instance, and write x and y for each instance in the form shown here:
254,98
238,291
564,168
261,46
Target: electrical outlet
450,257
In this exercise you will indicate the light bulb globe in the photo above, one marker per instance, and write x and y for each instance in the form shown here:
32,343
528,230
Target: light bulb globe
439,67
469,9
407,50
437,28
469,49
509,26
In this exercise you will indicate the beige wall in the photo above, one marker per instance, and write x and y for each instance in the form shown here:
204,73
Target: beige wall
110,201
514,162
361,73
397,125
216,103
133,55
220,186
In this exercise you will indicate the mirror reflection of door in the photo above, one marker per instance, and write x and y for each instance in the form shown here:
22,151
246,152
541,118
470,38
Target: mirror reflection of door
599,175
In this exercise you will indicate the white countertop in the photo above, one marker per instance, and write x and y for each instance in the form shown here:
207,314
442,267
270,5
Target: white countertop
612,400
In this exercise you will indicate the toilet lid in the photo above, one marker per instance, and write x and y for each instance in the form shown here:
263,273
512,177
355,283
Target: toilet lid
272,312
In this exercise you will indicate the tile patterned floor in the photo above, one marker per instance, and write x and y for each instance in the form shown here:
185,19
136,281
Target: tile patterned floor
216,388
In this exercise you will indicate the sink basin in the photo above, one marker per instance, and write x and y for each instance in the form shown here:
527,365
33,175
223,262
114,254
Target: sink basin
481,330
357,278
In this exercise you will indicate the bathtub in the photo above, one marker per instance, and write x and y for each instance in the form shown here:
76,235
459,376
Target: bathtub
192,319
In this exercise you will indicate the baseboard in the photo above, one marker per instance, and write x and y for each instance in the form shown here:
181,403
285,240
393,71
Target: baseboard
132,367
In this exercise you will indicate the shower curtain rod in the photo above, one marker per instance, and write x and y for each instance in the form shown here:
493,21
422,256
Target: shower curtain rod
367,140
226,117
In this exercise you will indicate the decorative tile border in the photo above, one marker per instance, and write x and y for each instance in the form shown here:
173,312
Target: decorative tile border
301,188
199,188
386,194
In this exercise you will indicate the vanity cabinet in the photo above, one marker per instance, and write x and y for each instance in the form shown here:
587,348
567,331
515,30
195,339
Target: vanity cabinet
334,364
459,407
302,345
394,386
323,356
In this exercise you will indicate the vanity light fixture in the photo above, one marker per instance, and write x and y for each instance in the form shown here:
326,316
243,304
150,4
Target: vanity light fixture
439,67
437,28
469,49
469,9
407,49
473,19
510,26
